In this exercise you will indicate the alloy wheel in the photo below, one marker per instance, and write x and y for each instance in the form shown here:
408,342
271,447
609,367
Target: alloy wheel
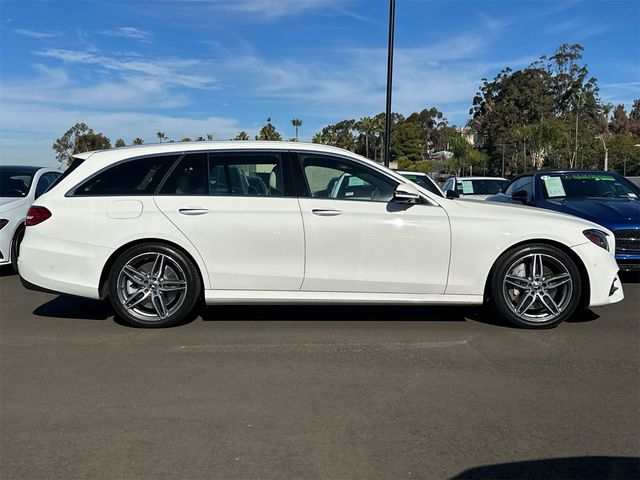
537,287
151,286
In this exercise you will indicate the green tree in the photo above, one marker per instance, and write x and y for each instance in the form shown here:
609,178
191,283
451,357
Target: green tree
296,122
161,136
242,135
185,139
619,121
120,143
209,137
138,141
79,138
366,126
407,140
268,132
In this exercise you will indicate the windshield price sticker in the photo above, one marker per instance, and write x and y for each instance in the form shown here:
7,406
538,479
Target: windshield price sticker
467,187
554,186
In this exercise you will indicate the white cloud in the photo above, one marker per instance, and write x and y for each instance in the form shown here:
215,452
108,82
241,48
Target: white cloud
271,9
39,34
170,71
128,32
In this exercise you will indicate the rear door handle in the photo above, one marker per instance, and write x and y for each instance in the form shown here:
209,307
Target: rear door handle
325,212
193,211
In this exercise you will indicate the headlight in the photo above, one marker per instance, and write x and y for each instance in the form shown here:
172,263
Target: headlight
598,237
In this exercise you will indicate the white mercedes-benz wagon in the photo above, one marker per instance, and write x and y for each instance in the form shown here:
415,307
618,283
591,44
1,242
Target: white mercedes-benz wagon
159,228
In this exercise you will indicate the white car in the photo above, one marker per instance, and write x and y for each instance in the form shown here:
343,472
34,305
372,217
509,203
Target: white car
19,187
423,180
476,188
158,228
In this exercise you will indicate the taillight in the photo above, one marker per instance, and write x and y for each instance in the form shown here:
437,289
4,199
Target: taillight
3,222
36,215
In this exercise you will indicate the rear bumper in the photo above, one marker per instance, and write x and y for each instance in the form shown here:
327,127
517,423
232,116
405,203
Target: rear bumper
58,266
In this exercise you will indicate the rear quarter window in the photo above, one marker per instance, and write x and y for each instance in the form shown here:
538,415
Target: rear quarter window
140,176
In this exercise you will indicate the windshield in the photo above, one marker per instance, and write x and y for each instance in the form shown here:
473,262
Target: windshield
15,182
587,185
485,186
423,181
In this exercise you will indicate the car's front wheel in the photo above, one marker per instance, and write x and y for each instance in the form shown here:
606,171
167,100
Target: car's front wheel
154,285
535,286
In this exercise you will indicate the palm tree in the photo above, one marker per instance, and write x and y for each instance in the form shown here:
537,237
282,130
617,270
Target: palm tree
242,136
366,126
296,122
200,139
161,136
137,141
210,136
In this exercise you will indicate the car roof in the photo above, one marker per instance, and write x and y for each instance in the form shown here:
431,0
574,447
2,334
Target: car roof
174,147
409,172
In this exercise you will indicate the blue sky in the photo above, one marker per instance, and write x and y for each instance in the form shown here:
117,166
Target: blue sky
188,68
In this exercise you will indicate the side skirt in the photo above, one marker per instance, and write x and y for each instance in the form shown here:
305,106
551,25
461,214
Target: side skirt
213,297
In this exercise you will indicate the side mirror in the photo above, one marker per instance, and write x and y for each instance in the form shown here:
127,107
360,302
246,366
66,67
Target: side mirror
406,193
520,196
452,194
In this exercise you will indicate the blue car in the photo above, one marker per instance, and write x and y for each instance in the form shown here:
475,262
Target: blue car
605,198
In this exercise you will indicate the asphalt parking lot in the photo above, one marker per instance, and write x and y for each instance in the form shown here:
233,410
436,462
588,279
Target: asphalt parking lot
315,392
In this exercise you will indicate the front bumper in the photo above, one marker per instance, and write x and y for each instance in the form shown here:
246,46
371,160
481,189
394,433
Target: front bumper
605,287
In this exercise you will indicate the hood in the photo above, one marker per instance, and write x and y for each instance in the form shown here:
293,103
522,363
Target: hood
9,203
522,213
607,212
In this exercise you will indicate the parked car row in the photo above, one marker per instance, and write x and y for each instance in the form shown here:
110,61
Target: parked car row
159,228
19,187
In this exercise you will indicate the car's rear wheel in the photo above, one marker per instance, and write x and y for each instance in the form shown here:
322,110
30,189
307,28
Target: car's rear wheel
154,285
535,286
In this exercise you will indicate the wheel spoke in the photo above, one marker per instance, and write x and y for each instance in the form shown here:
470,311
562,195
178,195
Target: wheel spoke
528,299
136,276
158,304
536,268
549,303
158,266
172,285
136,298
555,282
518,282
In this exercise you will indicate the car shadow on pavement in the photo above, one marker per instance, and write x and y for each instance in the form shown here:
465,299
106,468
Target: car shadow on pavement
629,277
584,468
72,307
6,271
68,306
405,313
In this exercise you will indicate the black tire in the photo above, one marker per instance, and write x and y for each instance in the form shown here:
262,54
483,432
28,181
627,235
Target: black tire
535,286
15,248
160,286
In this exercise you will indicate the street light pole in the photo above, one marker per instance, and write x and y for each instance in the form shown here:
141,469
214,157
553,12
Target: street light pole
606,153
387,127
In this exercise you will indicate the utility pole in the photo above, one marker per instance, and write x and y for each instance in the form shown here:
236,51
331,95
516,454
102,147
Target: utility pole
387,128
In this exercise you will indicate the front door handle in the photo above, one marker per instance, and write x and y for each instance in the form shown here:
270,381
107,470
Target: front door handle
325,212
193,211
